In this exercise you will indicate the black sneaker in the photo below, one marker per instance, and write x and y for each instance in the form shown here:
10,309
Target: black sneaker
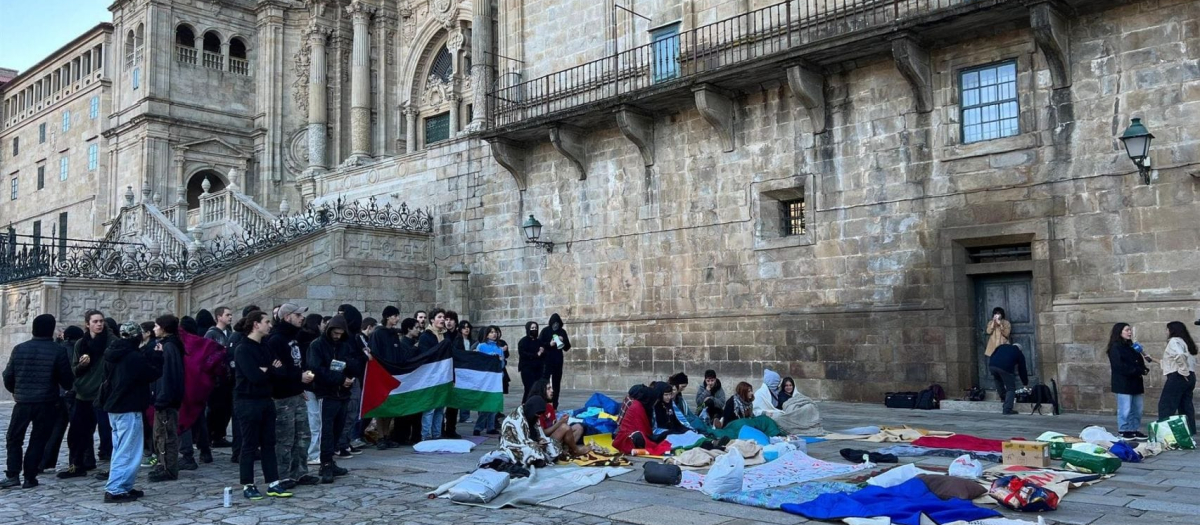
71,472
381,445
119,498
9,483
308,479
1128,435
1137,434
101,475
251,493
136,493
327,473
355,450
343,454
206,456
276,490
339,471
29,483
188,464
283,484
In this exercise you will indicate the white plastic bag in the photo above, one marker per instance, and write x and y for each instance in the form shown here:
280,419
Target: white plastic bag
897,476
725,475
481,486
1098,435
966,467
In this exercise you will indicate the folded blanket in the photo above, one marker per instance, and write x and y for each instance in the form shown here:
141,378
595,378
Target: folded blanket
904,504
961,442
909,451
776,497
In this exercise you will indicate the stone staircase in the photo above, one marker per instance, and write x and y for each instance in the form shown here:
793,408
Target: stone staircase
175,230
991,406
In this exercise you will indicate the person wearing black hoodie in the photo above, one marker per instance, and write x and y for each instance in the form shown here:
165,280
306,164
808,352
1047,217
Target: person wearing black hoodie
352,433
36,370
385,346
168,397
88,362
291,414
71,335
407,429
329,359
130,371
530,363
554,339
256,369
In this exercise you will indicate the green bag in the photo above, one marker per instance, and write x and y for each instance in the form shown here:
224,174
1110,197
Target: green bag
1179,428
1094,463
1057,448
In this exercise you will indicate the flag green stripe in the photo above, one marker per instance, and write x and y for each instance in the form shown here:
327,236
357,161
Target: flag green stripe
415,401
477,400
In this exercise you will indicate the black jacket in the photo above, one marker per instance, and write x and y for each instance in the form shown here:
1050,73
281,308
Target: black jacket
357,364
1009,358
168,391
251,382
36,370
1128,367
284,347
130,371
527,352
385,345
408,348
329,383
553,355
428,340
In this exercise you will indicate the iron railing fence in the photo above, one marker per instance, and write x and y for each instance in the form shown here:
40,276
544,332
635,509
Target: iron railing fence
677,58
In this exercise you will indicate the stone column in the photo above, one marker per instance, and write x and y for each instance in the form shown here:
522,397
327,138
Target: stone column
317,108
225,56
360,82
459,278
455,102
410,136
481,60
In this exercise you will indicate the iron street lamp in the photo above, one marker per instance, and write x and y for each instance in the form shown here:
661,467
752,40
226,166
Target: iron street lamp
1137,144
533,230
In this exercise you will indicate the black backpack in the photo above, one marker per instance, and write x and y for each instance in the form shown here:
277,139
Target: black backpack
1041,394
927,400
976,394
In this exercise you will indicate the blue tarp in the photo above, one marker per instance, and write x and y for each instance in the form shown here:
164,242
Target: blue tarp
593,425
904,504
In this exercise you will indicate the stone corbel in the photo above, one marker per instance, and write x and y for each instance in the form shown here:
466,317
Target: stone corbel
716,106
913,62
1050,33
511,156
638,128
808,88
569,142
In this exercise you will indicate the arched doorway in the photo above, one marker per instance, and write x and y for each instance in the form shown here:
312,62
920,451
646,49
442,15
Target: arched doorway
195,186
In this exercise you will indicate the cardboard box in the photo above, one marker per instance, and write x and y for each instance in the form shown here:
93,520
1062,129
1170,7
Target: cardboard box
1027,453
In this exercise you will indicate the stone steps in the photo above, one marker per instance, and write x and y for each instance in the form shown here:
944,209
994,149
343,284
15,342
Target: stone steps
995,407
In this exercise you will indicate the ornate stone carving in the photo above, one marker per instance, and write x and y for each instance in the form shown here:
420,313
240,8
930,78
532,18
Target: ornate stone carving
455,41
301,61
445,12
20,306
436,90
389,41
120,304
296,156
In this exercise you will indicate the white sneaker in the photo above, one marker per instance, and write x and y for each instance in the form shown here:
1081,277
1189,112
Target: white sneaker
314,461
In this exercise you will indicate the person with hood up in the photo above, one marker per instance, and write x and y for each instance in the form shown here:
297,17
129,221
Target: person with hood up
71,335
530,352
432,420
766,398
255,370
292,434
168,397
554,339
329,358
522,436
710,399
309,332
350,440
634,433
36,370
130,373
87,361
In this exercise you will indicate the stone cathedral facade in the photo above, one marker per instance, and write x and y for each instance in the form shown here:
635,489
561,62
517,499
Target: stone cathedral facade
839,190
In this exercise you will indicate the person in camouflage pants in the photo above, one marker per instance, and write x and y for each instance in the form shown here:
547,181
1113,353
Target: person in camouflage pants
292,434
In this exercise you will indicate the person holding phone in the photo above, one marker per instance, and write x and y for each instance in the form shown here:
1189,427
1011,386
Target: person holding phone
1128,369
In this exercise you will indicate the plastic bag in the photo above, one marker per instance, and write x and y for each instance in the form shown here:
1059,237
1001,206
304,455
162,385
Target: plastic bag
1097,435
1180,432
897,476
966,467
1022,495
1125,452
481,486
725,475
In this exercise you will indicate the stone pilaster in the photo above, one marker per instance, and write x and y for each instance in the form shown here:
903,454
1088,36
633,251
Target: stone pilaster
481,62
317,103
360,82
410,136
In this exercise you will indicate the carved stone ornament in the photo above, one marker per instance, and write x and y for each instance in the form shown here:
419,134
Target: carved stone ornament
437,91
295,158
445,11
389,40
301,61
455,41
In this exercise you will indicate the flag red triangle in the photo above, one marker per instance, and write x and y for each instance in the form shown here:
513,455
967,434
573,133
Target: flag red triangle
377,386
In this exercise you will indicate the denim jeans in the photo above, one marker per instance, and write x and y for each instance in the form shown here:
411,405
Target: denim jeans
486,421
314,425
127,451
1129,412
431,423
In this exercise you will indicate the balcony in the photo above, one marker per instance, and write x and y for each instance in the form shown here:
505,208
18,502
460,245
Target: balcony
741,53
239,66
213,60
186,54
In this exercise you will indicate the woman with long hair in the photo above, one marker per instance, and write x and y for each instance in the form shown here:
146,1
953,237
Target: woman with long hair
1128,367
1179,367
787,389
710,399
740,404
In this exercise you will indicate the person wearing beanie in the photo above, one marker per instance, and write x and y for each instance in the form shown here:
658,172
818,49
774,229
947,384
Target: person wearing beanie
130,371
35,372
385,346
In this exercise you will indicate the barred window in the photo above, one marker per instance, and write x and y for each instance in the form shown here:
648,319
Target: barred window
437,128
988,97
792,213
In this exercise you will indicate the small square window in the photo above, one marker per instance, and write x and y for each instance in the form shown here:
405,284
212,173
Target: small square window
792,214
41,177
989,102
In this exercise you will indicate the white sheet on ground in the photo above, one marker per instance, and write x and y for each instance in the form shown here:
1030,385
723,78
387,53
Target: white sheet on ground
444,446
542,485
897,476
685,439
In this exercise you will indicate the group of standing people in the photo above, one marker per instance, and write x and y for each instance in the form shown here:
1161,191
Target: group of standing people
1130,364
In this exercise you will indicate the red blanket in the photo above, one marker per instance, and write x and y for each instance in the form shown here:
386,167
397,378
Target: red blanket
961,442
202,359
634,419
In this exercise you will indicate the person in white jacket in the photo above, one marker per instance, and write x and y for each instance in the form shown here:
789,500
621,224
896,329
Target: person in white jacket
766,398
1179,368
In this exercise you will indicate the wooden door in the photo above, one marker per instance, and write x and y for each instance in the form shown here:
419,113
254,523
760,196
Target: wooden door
1013,293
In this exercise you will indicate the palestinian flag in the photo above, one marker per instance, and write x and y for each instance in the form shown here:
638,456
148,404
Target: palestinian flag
441,377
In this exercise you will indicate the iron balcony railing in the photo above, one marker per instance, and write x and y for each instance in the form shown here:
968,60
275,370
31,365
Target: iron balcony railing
674,59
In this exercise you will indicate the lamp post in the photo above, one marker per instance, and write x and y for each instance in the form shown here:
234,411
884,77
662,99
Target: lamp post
533,230
1137,145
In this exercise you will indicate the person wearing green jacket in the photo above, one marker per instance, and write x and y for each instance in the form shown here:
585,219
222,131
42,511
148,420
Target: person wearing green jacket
87,361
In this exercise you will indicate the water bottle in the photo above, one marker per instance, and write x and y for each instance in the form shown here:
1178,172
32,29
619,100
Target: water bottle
228,497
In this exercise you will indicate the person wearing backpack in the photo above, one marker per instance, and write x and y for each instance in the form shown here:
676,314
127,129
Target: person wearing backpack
1007,361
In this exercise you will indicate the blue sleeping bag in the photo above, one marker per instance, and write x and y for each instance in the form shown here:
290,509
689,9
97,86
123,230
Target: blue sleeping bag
904,504
593,425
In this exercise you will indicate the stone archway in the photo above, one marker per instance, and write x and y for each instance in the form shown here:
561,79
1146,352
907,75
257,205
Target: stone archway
195,186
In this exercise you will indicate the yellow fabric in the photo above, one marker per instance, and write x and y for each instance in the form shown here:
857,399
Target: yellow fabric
605,441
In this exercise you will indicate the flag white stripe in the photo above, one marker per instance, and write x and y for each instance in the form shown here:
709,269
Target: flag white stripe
467,379
426,376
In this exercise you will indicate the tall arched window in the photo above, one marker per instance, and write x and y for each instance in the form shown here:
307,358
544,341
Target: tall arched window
238,61
129,46
185,44
443,65
212,51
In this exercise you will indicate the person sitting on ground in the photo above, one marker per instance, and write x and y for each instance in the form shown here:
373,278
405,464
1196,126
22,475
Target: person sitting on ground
556,426
634,426
739,406
787,389
521,435
766,398
1006,362
665,421
710,399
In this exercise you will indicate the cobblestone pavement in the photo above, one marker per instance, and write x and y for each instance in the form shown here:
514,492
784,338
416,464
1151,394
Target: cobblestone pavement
389,487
